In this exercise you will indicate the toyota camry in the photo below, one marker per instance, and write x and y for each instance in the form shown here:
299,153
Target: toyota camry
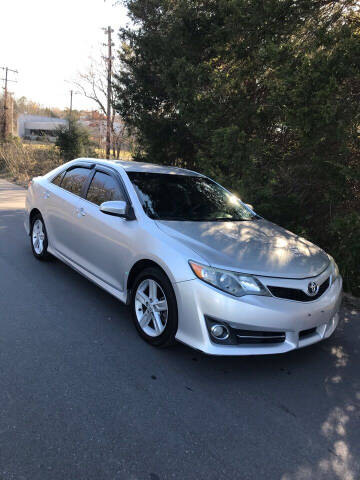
193,262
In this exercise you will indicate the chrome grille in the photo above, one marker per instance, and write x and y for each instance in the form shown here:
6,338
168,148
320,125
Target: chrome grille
297,294
255,336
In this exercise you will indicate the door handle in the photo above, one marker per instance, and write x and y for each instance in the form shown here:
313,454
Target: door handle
80,212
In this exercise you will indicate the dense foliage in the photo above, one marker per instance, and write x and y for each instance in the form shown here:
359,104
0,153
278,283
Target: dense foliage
21,161
263,95
74,141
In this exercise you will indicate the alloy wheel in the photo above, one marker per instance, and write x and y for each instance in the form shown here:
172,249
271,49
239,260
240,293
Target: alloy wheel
151,307
38,236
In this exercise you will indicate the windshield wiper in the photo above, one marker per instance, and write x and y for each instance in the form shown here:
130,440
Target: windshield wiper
227,219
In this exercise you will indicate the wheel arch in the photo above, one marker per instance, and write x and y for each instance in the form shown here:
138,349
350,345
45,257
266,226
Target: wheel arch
34,211
137,268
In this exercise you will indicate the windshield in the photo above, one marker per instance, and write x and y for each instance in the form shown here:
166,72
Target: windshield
182,197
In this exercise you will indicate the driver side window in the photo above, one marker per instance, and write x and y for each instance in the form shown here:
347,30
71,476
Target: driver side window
103,188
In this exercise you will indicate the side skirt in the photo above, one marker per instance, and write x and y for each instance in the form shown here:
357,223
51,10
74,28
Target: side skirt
122,296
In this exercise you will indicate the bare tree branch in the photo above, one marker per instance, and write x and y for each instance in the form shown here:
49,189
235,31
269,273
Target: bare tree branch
92,84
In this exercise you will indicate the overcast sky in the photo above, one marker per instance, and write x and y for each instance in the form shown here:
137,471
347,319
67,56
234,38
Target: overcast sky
49,41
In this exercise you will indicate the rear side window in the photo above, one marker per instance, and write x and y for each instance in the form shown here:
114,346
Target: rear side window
75,179
103,188
57,179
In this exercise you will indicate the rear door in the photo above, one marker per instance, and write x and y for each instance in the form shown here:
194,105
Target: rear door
63,211
106,240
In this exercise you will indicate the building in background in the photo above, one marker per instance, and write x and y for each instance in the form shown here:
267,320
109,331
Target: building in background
36,127
95,122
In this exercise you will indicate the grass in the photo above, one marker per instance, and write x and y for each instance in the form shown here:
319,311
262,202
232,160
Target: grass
100,152
124,155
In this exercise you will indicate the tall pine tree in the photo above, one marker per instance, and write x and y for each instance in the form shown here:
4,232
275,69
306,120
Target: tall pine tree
262,95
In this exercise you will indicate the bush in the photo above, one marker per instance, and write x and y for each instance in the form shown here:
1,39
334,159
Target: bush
345,247
74,141
23,162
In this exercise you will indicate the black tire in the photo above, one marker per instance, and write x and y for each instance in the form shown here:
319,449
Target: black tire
44,254
167,337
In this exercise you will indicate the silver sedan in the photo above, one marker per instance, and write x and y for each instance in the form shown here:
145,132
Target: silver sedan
193,261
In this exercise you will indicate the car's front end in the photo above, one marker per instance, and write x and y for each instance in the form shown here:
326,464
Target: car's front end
284,317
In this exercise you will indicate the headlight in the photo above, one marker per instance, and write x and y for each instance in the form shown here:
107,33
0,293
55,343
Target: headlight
236,284
334,269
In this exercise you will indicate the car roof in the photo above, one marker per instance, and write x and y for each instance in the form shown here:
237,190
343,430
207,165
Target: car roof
131,166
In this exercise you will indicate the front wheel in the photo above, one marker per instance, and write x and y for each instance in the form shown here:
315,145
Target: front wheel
154,307
38,237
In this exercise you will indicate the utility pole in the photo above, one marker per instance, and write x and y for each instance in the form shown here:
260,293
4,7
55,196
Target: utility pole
71,96
108,31
5,126
11,108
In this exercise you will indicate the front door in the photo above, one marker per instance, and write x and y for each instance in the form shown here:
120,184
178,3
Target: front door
106,240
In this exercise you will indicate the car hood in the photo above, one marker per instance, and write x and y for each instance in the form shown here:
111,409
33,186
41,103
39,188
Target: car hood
257,246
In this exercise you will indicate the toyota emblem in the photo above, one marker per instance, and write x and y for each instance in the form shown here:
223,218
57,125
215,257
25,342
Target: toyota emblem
313,288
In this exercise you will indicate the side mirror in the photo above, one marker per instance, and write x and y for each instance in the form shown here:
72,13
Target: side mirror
118,208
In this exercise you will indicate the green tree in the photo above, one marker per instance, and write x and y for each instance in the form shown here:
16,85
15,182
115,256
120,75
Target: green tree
262,95
74,141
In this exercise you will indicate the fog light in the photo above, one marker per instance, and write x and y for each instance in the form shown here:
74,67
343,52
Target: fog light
220,332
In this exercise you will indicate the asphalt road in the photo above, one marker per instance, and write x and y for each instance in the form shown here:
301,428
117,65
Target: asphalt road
83,397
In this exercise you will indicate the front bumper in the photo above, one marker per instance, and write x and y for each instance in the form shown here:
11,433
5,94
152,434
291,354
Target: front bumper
197,300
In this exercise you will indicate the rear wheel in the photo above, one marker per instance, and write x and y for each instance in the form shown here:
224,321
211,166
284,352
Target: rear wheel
38,237
154,307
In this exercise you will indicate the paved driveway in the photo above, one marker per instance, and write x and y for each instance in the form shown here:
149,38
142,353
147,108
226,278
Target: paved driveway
83,397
